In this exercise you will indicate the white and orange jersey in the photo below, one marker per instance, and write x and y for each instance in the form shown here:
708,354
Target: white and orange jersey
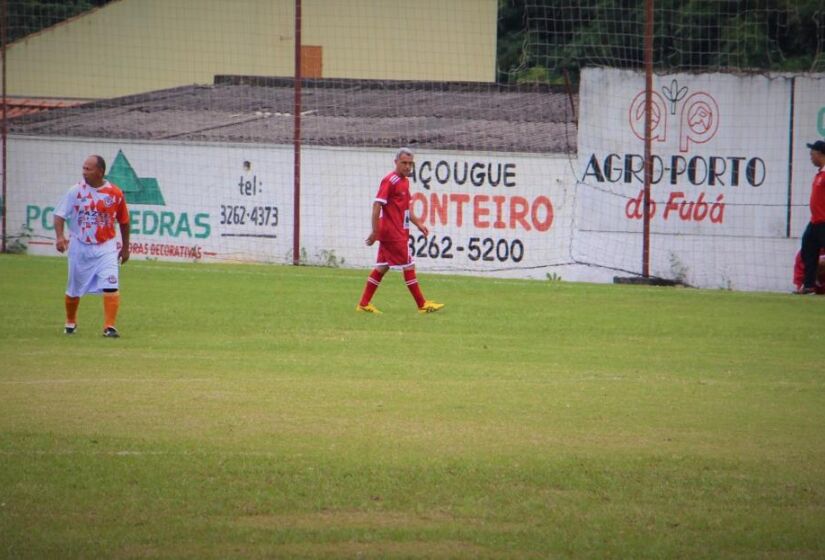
92,213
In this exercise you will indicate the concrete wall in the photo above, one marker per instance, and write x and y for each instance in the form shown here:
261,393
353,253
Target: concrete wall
729,189
496,215
132,46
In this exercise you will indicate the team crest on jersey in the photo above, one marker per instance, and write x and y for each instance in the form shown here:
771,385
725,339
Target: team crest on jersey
108,200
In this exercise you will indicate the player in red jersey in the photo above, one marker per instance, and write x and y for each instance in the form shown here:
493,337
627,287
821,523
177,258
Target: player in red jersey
814,237
391,218
93,207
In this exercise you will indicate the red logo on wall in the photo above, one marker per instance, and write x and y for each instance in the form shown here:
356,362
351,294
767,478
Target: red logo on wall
697,121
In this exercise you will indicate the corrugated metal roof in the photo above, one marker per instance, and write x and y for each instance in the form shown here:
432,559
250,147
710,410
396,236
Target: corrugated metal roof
17,106
434,115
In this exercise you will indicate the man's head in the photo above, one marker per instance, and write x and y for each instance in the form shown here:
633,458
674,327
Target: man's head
94,168
404,161
818,153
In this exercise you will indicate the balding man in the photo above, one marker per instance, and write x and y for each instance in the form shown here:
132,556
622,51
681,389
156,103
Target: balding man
93,207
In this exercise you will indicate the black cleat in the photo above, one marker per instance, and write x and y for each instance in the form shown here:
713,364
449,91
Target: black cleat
111,332
69,329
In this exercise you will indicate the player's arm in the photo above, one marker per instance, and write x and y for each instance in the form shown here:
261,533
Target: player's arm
376,215
61,243
124,237
123,222
420,225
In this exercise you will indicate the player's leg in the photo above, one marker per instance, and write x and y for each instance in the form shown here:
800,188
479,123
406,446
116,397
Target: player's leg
79,279
72,303
424,305
820,275
411,280
373,282
111,305
398,253
810,257
403,257
812,241
820,237
107,278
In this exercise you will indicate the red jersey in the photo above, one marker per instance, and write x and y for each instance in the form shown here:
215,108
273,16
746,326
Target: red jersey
818,198
394,197
92,213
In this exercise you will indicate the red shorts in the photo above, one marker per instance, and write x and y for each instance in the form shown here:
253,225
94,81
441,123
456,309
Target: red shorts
394,253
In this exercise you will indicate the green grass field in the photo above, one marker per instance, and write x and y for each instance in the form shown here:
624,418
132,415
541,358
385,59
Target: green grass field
249,412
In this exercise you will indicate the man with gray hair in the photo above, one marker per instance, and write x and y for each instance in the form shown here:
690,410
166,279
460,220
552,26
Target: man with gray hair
391,218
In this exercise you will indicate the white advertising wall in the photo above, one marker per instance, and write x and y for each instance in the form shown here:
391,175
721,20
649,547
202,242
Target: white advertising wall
212,207
720,184
808,126
507,215
485,214
731,183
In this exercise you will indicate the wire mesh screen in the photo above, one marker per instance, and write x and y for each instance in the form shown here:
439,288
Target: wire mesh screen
524,116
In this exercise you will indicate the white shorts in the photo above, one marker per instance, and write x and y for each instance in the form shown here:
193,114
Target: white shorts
92,268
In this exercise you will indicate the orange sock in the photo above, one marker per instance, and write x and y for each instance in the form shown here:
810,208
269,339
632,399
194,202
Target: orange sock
71,310
111,303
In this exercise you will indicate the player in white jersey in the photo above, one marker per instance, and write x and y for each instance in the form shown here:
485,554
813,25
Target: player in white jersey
92,208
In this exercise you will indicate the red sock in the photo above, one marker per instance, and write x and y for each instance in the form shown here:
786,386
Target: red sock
373,282
412,286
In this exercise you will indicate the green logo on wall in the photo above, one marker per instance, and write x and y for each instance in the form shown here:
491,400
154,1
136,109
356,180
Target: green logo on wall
820,122
137,190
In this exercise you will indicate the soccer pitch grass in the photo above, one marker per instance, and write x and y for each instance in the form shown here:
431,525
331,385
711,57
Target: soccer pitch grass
249,412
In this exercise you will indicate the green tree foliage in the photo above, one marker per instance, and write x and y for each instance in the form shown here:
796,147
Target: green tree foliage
540,39
25,17
512,37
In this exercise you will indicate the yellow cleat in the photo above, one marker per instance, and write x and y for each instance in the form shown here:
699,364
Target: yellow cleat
369,308
430,307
